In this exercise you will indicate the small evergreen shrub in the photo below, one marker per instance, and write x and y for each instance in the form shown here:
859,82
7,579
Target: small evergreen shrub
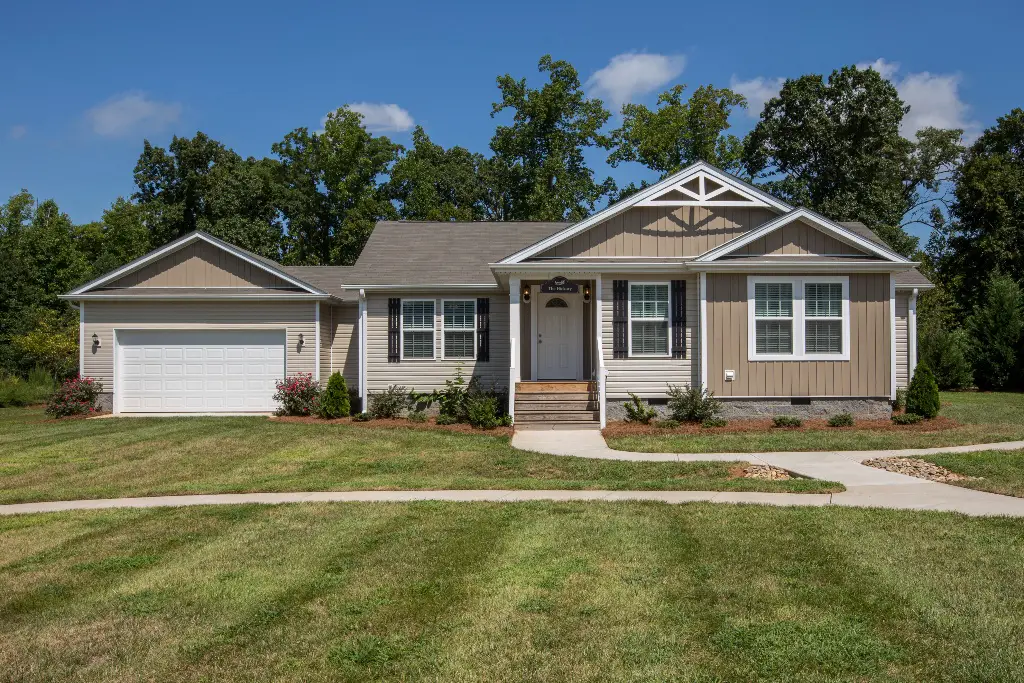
298,395
841,420
787,421
74,397
362,417
667,424
334,402
505,420
713,422
446,420
638,411
390,403
901,399
906,418
418,416
923,393
693,404
483,412
948,355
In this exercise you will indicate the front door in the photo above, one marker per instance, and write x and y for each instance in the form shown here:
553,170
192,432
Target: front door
559,337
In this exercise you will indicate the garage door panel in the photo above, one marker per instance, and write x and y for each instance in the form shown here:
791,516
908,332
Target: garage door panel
199,370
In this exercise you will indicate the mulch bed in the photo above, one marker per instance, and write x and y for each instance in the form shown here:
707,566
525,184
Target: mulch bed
399,423
915,467
619,429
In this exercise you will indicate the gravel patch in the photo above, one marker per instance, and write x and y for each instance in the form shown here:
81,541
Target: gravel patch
915,467
766,472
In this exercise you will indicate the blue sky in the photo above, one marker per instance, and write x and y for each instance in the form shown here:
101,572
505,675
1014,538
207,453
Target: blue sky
85,83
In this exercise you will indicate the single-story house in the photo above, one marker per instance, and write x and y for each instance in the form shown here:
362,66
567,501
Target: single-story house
699,280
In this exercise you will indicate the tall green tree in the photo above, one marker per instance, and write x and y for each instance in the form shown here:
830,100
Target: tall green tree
996,330
331,190
680,132
538,165
834,146
125,236
432,183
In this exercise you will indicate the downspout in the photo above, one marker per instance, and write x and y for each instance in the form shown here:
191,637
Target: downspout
912,335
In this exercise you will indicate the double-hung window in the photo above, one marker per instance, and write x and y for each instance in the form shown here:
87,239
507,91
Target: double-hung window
799,318
459,328
648,319
418,328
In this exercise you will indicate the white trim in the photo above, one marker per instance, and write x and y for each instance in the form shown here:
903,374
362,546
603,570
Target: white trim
619,207
460,285
585,268
514,333
821,222
401,330
798,319
81,339
183,242
703,322
363,383
316,341
330,349
629,319
444,330
892,339
912,335
602,371
731,266
195,297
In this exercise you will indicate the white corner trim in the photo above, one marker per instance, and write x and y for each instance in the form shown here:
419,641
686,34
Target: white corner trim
798,319
363,383
316,342
892,339
81,339
703,322
912,335
602,372
514,332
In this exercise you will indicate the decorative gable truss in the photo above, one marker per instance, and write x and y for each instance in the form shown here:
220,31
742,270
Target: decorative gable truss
702,189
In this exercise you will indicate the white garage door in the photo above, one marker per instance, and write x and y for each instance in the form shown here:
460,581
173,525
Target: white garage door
198,371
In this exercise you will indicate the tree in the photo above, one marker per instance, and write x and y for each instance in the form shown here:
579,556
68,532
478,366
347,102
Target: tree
538,162
679,133
124,236
335,401
331,196
997,333
431,183
948,354
923,393
835,147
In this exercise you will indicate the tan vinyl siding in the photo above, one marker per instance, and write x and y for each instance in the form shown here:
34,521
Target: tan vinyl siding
866,374
649,377
340,343
902,348
200,264
798,238
103,317
426,375
678,231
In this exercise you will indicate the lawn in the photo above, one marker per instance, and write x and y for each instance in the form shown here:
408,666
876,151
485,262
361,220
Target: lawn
46,460
983,418
996,471
528,591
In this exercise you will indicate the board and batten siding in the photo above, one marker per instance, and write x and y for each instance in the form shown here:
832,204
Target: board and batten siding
103,317
798,239
649,377
865,375
201,264
665,232
339,343
427,375
902,346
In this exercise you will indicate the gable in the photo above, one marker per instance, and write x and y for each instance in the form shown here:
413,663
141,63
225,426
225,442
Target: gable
200,264
662,231
798,239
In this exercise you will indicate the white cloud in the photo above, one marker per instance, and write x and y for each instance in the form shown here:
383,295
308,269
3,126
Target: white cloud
886,69
934,100
132,113
18,132
631,74
381,118
757,91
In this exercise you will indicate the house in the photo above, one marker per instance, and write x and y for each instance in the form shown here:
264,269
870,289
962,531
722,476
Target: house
699,280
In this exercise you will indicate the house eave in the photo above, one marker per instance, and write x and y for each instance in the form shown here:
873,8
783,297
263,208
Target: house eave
803,267
195,297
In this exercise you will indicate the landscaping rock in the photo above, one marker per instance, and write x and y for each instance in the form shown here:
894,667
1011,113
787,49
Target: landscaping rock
766,472
915,467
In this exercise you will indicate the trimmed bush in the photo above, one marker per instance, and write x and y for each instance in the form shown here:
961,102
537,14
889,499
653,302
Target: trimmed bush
505,420
483,412
637,410
298,395
446,420
906,418
362,417
787,421
901,399
418,416
334,402
948,355
713,422
841,420
390,403
667,424
74,397
923,393
693,404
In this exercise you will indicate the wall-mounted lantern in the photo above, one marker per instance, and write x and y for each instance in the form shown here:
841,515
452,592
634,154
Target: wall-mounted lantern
96,341
526,294
586,294
302,340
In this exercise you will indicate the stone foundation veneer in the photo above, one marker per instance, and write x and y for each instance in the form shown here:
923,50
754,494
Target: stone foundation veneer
105,401
752,408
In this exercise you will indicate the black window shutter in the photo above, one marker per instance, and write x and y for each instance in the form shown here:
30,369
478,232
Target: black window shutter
620,316
394,330
483,330
679,318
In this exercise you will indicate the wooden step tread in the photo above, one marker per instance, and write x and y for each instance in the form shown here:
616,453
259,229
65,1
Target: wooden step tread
557,387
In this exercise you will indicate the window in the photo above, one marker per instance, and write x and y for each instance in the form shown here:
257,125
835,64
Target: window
648,319
793,318
460,329
417,328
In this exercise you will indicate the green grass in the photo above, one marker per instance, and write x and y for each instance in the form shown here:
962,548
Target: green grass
513,592
984,418
999,471
46,460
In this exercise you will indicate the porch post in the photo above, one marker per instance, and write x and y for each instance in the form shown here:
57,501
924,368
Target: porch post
362,351
514,373
601,370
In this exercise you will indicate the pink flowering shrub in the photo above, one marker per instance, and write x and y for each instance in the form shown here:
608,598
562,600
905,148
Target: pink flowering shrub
75,396
298,395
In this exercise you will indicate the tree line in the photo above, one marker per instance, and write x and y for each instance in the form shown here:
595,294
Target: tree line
830,143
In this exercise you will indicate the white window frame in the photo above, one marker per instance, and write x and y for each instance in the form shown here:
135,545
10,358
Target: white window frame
799,318
629,319
433,330
445,330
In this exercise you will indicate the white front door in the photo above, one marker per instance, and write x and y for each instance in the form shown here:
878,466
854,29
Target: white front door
559,337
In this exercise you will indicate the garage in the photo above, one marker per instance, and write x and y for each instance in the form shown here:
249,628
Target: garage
198,371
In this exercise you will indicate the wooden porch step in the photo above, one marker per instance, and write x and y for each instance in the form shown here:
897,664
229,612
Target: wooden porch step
523,407
554,397
573,416
554,387
534,426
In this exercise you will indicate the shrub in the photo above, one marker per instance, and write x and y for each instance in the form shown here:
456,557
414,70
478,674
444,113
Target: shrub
923,393
505,420
418,416
713,422
948,355
483,412
298,395
446,420
901,399
362,417
453,400
74,397
694,404
51,343
841,420
906,418
667,424
390,403
787,421
637,410
38,388
995,328
334,402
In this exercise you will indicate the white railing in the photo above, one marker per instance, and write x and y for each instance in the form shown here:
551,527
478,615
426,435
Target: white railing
512,380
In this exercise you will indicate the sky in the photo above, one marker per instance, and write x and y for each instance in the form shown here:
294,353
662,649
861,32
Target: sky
85,83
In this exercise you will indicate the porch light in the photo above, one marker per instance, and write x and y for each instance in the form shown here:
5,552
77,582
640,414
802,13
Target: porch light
96,340
526,294
302,340
586,294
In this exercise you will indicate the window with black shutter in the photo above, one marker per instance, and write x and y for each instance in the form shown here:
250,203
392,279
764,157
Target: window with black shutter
483,329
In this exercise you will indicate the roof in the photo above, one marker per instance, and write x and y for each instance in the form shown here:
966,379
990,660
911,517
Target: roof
330,279
905,280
